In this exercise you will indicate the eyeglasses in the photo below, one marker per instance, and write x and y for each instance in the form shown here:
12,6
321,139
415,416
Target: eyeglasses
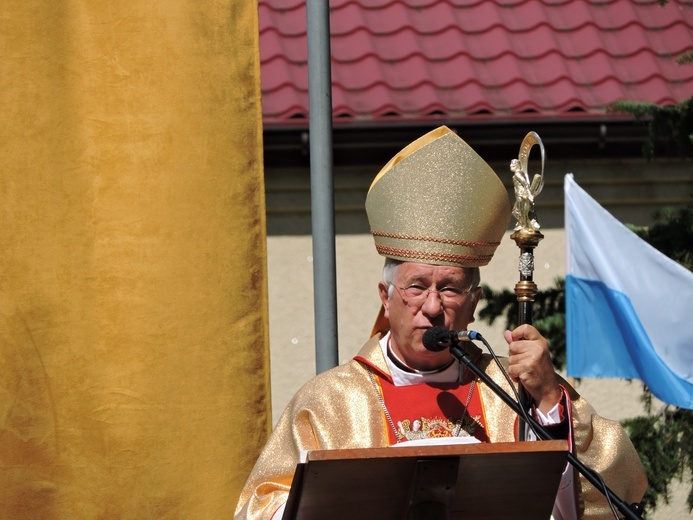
415,295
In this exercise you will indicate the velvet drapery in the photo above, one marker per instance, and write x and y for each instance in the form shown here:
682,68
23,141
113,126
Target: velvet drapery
133,304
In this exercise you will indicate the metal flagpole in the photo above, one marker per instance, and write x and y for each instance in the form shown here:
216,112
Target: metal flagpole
322,184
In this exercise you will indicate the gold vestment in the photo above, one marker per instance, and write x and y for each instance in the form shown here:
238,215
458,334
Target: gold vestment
340,409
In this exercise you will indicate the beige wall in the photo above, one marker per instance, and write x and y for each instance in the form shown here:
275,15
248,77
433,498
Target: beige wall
358,272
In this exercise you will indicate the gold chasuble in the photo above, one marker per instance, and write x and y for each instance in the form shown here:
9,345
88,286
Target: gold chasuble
133,316
341,408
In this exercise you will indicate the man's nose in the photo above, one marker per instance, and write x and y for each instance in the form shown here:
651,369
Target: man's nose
432,305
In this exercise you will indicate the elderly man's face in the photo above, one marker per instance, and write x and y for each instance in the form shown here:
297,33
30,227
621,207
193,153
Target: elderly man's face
410,316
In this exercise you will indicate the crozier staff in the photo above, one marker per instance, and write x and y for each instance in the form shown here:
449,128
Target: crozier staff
437,213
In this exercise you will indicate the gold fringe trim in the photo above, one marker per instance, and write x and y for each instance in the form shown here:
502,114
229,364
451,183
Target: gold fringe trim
434,239
440,257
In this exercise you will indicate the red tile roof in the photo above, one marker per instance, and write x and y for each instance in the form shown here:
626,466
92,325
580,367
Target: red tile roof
419,60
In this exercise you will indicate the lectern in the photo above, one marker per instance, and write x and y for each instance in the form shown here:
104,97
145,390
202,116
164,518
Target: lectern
515,480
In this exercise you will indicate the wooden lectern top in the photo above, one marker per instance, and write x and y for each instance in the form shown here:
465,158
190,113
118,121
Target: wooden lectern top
517,480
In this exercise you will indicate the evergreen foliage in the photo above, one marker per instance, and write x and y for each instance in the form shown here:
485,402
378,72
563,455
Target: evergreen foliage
671,233
685,58
670,128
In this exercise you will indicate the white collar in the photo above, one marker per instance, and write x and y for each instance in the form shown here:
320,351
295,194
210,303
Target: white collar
451,374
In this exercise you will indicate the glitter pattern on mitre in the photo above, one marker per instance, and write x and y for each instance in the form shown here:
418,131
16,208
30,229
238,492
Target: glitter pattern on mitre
438,202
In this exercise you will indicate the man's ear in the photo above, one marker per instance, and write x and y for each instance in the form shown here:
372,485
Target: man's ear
384,299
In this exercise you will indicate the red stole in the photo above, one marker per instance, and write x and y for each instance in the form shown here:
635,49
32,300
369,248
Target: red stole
433,410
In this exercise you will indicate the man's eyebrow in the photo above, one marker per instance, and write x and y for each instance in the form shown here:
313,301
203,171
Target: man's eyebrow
459,282
415,278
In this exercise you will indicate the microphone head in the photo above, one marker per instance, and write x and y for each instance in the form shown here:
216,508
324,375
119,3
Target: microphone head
436,339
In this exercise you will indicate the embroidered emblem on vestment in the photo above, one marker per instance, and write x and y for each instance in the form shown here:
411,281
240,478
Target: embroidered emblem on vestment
430,428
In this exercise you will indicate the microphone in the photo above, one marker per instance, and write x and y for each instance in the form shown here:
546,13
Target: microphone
436,339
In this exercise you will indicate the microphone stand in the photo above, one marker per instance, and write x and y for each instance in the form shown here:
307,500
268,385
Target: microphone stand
463,357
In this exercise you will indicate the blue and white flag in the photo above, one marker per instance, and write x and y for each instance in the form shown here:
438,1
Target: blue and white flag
629,308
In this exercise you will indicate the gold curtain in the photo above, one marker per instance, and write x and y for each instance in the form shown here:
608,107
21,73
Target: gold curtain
134,379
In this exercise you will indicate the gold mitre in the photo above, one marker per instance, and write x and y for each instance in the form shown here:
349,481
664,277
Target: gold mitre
438,202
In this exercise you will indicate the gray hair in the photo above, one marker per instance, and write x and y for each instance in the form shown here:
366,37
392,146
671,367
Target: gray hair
390,271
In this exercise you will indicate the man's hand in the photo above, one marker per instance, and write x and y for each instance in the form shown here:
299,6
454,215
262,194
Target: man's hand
529,362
